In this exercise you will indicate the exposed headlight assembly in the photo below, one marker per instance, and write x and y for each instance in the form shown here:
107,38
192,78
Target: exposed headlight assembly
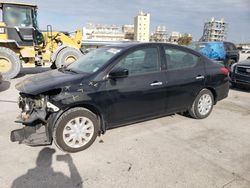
28,104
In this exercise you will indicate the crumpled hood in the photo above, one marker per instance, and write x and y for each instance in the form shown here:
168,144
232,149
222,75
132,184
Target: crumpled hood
46,81
244,63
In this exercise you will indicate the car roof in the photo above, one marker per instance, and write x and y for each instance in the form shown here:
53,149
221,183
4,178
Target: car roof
123,45
128,45
134,44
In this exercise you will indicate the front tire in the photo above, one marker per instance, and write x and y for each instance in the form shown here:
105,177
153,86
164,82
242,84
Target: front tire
202,105
76,130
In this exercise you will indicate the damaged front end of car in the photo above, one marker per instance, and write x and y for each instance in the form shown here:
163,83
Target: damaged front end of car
41,101
36,112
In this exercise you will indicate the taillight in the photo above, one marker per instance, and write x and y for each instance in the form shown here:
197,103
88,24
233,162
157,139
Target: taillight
224,70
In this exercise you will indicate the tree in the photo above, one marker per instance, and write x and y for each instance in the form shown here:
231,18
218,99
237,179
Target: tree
185,39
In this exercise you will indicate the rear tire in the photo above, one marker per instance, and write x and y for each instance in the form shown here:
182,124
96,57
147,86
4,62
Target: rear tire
76,130
10,64
202,105
67,56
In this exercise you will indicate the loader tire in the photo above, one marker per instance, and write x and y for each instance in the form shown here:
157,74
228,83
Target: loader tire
67,56
10,64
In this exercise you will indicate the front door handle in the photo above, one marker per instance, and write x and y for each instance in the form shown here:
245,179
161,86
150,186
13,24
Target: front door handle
199,77
156,84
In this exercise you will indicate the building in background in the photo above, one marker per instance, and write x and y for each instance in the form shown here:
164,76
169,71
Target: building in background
160,35
129,31
101,32
174,37
215,30
141,27
243,46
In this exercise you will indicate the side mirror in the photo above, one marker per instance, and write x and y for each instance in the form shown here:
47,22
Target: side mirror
118,73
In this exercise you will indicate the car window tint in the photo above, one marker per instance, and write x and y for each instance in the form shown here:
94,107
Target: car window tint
141,61
232,47
226,45
178,59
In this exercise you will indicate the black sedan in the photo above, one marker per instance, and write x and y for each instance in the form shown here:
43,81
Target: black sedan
240,73
114,86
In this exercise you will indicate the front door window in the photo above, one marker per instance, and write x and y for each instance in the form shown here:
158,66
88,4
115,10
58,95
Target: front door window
141,61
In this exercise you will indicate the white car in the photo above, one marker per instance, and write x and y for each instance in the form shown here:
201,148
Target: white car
245,54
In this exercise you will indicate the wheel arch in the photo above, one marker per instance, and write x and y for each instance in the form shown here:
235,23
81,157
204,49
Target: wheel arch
213,92
94,109
90,107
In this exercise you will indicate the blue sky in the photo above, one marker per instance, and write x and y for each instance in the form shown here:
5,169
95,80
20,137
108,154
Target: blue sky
186,16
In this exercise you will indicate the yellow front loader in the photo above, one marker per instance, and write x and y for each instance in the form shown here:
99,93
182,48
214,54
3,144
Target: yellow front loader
22,44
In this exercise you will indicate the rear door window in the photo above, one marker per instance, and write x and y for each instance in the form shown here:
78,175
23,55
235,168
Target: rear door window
178,59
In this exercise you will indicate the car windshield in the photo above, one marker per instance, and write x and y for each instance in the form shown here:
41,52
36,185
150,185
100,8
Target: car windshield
94,60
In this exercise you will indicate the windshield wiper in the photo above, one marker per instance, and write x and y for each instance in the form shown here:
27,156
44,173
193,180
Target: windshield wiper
71,70
65,69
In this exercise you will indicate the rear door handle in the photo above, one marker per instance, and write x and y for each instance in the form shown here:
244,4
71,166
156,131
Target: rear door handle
199,77
156,84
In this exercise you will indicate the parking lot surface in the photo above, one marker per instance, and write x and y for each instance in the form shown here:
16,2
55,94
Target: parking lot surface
173,151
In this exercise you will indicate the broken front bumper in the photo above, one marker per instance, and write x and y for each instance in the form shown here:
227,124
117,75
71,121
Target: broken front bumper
36,121
31,135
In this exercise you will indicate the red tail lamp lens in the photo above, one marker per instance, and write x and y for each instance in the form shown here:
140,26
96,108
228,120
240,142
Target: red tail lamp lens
225,71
